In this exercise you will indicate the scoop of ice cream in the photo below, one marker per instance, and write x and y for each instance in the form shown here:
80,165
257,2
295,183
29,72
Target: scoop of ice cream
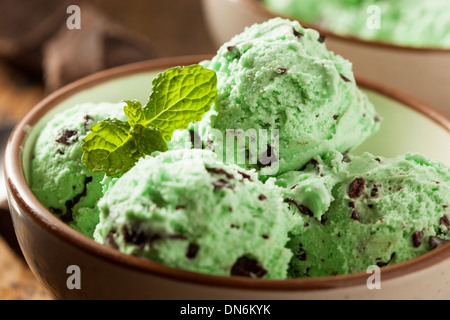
404,22
60,181
376,211
187,210
288,97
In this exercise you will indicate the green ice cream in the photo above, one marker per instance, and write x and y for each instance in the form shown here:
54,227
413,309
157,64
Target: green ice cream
60,181
187,210
367,211
280,76
416,23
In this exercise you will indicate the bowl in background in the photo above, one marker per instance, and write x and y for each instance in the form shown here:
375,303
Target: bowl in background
51,248
420,72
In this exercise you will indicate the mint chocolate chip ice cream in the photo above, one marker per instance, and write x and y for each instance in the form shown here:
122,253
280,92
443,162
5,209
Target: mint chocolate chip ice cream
188,210
61,182
367,210
415,23
280,76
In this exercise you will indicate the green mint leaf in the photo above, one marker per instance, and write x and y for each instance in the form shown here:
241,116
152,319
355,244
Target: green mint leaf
110,148
180,96
148,140
134,111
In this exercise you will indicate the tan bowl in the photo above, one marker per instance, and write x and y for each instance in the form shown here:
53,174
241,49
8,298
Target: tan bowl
421,72
50,246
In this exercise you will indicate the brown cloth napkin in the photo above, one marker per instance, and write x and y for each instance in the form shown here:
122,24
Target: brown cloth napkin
34,36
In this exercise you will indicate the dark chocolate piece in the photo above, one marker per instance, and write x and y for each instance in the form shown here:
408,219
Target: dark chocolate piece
374,192
245,175
384,264
356,188
436,242
297,33
345,78
111,241
355,213
192,251
301,253
67,217
321,39
87,120
220,171
303,209
221,184
335,117
264,236
247,267
281,70
67,137
417,238
262,197
444,221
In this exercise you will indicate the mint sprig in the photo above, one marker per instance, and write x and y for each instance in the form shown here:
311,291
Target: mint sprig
180,95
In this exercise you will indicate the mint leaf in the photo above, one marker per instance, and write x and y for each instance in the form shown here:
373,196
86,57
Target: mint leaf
180,96
110,148
148,140
134,112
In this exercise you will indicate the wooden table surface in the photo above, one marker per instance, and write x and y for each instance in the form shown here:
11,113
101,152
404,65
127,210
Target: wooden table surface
17,96
185,34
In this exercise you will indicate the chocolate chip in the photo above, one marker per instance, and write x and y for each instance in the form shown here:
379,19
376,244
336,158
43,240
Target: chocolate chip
445,222
232,48
323,219
301,253
345,78
374,192
247,267
180,207
67,137
245,175
303,209
233,226
221,184
70,204
297,33
60,152
384,264
345,157
356,188
55,210
355,213
262,197
335,117
378,160
436,242
134,235
265,236
234,51
377,118
192,251
281,70
417,238
87,120
220,171
111,241
321,39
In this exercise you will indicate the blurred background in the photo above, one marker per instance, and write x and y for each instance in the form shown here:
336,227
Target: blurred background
39,54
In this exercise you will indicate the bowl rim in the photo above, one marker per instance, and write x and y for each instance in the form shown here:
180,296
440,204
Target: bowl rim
259,7
28,204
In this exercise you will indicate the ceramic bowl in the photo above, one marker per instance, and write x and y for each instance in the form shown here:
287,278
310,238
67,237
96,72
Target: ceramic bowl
421,72
51,248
